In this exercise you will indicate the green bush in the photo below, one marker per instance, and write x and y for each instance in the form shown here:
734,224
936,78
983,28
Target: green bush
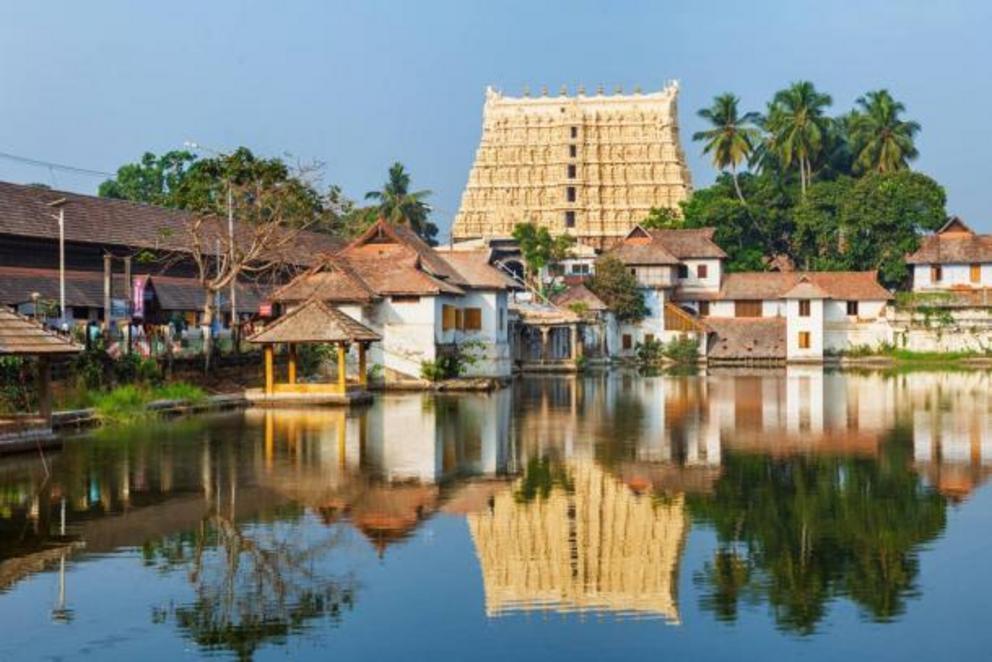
125,404
683,350
451,365
180,391
649,351
16,384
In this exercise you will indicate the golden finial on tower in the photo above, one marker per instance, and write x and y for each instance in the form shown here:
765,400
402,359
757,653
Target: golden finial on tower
581,91
544,90
599,89
526,90
563,92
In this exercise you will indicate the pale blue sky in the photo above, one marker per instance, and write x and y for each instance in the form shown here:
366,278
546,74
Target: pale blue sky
358,85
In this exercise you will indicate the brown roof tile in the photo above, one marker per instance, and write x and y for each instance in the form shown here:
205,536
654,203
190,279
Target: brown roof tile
25,212
841,285
315,321
333,281
660,247
476,269
955,243
579,294
757,338
23,336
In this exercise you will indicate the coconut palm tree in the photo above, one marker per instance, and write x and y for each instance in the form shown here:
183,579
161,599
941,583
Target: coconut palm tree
397,204
732,139
881,141
797,127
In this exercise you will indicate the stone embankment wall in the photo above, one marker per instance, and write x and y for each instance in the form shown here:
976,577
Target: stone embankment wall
943,330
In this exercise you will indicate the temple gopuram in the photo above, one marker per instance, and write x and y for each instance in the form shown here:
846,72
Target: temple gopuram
587,165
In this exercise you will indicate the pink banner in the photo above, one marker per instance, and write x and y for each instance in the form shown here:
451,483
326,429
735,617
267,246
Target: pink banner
138,296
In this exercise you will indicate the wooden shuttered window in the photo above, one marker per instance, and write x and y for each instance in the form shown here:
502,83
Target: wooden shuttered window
976,273
747,308
627,341
804,340
473,319
936,273
448,317
804,307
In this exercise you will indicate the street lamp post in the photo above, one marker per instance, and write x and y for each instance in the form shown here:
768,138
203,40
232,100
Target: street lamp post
60,205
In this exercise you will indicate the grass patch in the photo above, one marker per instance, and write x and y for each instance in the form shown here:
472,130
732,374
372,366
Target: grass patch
934,357
129,404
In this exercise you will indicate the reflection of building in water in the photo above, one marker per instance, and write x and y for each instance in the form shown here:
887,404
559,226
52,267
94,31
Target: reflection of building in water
952,430
809,410
592,545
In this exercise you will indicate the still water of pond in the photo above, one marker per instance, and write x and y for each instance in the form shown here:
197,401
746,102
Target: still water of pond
778,513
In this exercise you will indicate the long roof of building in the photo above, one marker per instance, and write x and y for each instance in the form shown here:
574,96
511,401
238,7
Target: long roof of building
26,211
955,243
841,285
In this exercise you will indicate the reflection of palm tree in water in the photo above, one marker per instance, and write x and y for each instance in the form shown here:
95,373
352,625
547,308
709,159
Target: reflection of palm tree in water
803,530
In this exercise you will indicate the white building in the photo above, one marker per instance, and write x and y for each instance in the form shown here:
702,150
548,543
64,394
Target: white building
952,259
422,301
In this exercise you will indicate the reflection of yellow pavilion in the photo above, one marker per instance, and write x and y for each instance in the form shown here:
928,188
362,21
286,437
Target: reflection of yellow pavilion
600,548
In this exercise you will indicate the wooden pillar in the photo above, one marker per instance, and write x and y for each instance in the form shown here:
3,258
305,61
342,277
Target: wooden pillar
292,363
342,368
127,286
545,349
363,377
269,377
573,341
106,290
45,389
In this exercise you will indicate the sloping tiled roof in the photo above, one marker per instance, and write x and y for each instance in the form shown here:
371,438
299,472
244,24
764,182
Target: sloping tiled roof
315,321
643,250
174,293
841,285
804,289
392,259
689,243
955,243
82,288
752,338
25,212
475,269
333,281
23,336
580,294
85,289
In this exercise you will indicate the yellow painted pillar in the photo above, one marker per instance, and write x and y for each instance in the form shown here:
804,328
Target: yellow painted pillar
342,369
292,363
269,377
363,378
269,439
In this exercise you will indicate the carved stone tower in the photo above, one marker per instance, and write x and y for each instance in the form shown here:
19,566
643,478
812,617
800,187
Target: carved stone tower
589,166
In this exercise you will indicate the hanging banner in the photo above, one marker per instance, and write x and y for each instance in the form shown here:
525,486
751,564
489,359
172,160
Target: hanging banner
138,296
265,309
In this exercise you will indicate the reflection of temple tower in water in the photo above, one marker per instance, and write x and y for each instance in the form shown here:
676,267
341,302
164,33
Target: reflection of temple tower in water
596,547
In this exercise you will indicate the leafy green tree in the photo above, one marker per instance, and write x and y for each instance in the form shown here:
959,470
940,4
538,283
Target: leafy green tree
617,287
541,250
881,141
733,136
883,217
153,180
397,204
798,130
816,242
663,218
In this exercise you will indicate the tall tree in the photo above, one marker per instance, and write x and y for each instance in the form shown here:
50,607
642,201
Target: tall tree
617,287
733,136
797,127
880,139
153,180
541,250
397,204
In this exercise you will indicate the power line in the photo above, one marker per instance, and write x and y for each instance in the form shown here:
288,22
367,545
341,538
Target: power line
55,166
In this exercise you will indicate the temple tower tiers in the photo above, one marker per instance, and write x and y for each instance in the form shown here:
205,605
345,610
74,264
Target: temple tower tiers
589,165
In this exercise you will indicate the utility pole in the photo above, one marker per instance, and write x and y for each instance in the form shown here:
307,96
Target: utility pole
60,205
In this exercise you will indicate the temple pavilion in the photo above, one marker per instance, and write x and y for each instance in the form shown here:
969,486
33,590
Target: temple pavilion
313,323
23,336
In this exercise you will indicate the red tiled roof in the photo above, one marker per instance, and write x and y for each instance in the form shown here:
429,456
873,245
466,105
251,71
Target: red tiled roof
754,338
841,285
579,294
955,243
476,269
333,281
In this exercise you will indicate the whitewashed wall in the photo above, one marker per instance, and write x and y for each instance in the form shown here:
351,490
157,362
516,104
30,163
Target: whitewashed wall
494,355
952,275
693,283
794,324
